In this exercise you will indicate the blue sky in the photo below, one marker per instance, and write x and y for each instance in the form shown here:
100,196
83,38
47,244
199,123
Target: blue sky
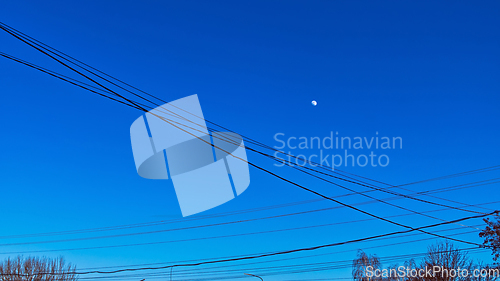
423,71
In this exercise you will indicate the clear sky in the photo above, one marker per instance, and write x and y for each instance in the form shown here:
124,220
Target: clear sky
425,71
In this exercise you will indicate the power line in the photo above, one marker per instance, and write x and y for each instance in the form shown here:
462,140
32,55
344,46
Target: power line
34,43
39,48
309,256
208,225
287,251
136,106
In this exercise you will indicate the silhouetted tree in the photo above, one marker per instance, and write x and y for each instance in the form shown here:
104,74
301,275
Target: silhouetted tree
360,266
491,235
443,262
36,269
449,259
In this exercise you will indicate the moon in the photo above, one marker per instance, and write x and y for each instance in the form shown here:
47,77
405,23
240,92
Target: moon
314,103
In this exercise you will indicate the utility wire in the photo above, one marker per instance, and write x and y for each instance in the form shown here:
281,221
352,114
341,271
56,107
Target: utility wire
34,43
267,155
280,252
249,163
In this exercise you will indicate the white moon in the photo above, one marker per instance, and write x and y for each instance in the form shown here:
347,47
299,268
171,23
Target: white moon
314,103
